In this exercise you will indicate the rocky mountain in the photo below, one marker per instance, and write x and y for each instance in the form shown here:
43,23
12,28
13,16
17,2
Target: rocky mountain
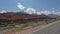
11,16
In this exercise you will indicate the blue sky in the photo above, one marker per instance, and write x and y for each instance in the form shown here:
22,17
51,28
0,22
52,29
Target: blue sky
37,4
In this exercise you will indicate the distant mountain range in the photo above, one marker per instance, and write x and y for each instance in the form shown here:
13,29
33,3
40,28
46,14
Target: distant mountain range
11,16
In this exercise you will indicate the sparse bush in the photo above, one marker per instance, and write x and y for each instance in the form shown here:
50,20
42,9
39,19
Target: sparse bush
34,24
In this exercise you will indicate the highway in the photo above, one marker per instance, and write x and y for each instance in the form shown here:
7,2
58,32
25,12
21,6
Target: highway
52,29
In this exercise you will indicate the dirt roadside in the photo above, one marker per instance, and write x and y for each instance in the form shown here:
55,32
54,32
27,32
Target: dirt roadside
28,31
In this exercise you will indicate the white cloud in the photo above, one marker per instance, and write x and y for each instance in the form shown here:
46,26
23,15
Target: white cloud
46,12
33,11
20,6
3,11
30,11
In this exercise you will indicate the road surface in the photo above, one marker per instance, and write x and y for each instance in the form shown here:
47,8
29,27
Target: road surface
52,29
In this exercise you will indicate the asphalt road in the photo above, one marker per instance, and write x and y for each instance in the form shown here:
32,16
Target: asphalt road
52,29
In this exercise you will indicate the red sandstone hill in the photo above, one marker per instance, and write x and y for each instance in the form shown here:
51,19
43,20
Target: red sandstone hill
10,16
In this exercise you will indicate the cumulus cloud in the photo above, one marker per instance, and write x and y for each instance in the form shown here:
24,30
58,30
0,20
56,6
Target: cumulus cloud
46,12
33,11
30,11
3,11
20,6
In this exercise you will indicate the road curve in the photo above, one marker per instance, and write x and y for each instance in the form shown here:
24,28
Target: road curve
51,29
